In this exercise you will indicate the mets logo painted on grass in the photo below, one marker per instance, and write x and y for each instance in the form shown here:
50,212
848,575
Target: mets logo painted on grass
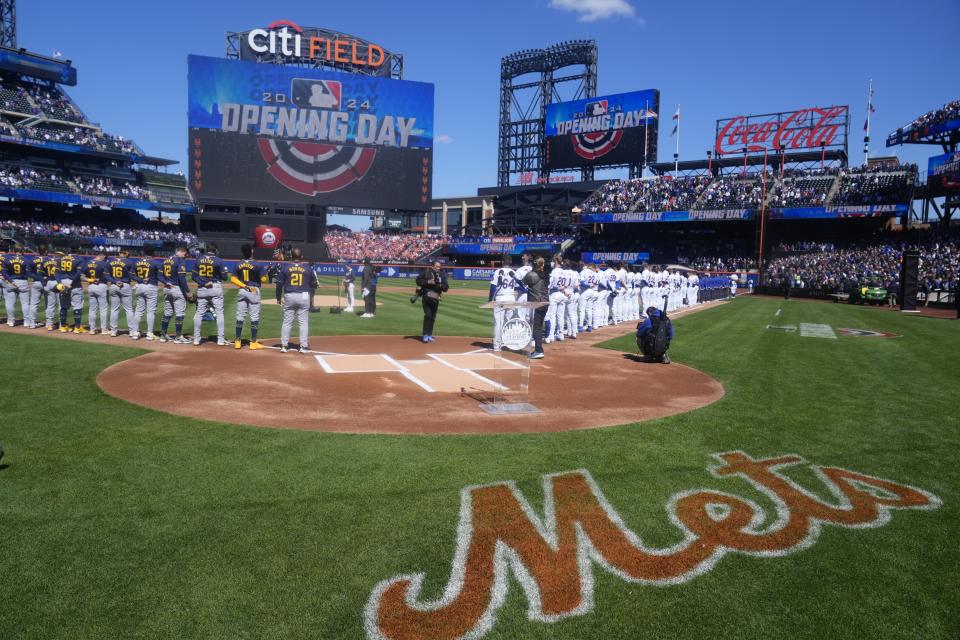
500,539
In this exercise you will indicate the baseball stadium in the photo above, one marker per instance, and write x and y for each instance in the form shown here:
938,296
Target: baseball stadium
276,386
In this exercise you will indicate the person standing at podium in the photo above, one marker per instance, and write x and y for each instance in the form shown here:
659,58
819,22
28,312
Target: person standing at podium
537,291
503,288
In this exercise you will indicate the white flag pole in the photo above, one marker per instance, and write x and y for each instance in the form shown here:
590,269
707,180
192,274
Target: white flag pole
676,154
866,137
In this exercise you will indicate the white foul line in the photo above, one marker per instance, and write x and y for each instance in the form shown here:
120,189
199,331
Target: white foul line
777,313
439,358
409,376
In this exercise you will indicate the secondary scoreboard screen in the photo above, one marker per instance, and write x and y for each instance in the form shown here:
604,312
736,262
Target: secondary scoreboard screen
614,129
943,175
279,134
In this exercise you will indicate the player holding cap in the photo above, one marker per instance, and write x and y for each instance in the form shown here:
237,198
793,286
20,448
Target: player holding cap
294,281
247,275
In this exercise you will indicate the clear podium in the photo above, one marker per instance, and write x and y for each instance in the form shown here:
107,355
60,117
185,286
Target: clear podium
505,389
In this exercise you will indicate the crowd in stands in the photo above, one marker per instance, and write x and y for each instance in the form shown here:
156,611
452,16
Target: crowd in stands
381,247
79,136
663,193
107,187
946,113
879,183
53,103
28,178
732,193
150,230
829,267
875,185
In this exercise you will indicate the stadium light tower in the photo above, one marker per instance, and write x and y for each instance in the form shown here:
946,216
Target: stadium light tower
8,23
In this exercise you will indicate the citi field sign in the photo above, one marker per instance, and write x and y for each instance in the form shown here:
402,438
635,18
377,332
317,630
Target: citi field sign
284,39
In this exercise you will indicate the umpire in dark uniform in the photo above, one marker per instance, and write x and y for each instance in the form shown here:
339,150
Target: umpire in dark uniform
433,284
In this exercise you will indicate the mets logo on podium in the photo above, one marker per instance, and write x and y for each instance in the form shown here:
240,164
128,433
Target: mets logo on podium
597,143
516,334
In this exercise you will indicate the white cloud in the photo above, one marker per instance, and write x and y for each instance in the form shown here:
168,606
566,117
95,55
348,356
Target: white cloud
443,139
593,10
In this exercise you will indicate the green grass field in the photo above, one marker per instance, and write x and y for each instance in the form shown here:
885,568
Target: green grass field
118,521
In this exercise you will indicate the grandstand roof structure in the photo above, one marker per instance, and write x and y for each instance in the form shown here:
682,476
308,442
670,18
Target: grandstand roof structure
736,162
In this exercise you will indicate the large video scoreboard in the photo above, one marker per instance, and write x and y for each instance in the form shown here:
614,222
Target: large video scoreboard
282,134
609,130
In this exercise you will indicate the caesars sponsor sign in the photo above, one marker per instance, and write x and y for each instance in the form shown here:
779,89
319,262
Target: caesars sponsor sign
614,129
806,129
503,543
275,133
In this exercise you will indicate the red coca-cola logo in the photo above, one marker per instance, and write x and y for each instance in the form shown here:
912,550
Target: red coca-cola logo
805,129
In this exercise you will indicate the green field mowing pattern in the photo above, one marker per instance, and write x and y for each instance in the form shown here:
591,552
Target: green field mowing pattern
118,521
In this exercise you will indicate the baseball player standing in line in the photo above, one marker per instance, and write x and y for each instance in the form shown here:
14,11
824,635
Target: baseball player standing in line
573,299
646,287
208,273
522,271
601,309
503,288
247,275
69,270
14,273
295,281
349,287
35,271
693,289
588,298
97,307
120,292
146,273
173,281
621,309
556,309
610,278
49,276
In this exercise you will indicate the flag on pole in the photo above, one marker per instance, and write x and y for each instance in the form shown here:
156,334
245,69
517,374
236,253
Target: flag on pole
57,54
676,122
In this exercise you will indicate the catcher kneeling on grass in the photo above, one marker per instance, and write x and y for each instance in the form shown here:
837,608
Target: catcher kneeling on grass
654,335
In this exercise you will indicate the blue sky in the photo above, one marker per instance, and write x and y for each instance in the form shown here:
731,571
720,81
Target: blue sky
715,59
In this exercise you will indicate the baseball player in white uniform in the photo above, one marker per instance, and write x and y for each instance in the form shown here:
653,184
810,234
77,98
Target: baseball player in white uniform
573,299
646,288
693,289
556,310
522,272
503,288
601,312
588,298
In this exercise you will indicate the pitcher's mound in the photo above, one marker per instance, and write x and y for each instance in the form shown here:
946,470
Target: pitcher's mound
391,384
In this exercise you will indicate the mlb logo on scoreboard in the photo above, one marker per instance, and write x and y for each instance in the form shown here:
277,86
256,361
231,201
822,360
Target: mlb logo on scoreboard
317,94
597,108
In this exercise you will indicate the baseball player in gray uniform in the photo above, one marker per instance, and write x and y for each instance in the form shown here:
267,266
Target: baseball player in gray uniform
120,291
146,271
249,275
49,279
208,273
95,274
37,278
296,281
16,286
173,281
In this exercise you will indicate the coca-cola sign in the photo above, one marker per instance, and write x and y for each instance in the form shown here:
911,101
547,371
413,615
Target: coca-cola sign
813,128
